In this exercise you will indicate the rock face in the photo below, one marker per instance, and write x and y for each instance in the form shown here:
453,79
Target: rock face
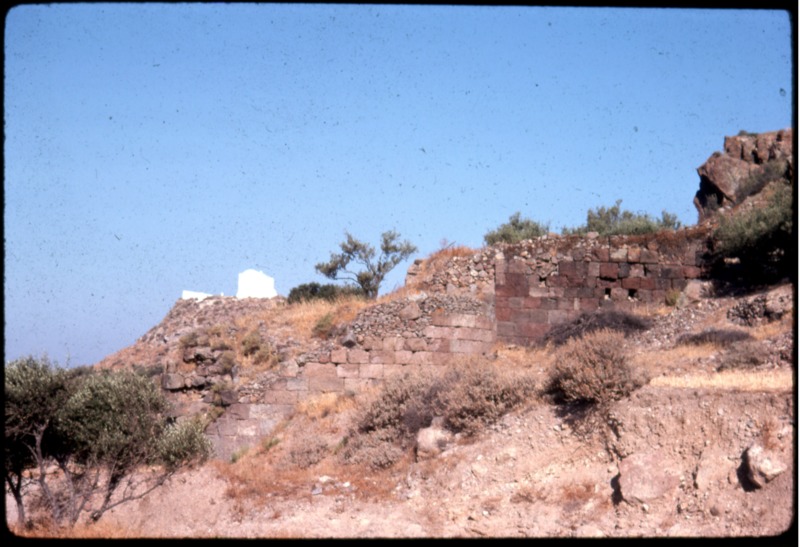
725,177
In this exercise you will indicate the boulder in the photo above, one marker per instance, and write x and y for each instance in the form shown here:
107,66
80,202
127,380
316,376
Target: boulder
228,397
173,381
646,477
762,465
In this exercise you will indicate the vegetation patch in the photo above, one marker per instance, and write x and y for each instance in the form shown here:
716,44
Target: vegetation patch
593,370
612,320
468,396
720,337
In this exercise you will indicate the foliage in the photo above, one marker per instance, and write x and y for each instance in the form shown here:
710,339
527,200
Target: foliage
759,244
608,221
624,322
467,396
314,291
370,278
516,229
593,369
97,428
721,337
757,179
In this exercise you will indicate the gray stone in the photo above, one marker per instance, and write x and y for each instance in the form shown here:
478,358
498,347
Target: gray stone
228,397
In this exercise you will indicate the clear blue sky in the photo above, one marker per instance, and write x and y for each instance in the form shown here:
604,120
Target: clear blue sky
155,148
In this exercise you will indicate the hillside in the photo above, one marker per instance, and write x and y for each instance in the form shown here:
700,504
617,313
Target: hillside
703,445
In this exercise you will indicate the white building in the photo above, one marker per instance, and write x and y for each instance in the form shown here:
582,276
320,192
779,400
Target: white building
194,295
255,284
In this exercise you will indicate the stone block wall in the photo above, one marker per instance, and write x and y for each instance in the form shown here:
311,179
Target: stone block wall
553,279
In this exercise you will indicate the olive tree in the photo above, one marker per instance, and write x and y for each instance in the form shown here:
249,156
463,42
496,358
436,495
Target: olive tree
373,271
100,429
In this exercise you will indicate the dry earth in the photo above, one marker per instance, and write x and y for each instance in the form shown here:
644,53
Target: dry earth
669,461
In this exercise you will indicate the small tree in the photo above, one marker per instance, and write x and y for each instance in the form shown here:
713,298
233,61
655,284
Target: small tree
516,229
98,429
608,221
369,279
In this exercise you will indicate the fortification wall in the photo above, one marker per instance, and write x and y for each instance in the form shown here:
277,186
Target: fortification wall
398,337
507,293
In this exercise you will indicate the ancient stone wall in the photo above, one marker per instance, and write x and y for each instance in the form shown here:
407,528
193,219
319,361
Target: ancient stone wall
536,284
507,293
395,338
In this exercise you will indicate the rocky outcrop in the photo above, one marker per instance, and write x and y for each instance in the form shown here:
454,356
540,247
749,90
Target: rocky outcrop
748,162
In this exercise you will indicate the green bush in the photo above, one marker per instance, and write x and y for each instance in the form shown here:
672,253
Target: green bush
98,428
314,291
183,443
593,370
758,246
775,169
516,229
608,221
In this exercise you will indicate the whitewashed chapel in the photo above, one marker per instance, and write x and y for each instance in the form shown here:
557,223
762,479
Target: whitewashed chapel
252,284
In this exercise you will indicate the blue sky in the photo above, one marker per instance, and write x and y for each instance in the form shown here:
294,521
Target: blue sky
155,148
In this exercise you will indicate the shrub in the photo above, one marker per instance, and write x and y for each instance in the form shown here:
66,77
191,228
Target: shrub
714,336
761,240
314,291
624,322
324,326
744,356
189,340
468,396
757,179
184,443
305,451
477,395
226,361
608,221
593,369
516,229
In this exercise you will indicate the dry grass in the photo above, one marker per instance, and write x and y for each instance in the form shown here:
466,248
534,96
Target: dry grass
324,405
773,380
766,331
98,530
304,316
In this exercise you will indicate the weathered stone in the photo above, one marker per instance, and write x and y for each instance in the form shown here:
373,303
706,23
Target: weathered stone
173,381
410,312
339,356
762,465
646,477
431,441
357,356
228,397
